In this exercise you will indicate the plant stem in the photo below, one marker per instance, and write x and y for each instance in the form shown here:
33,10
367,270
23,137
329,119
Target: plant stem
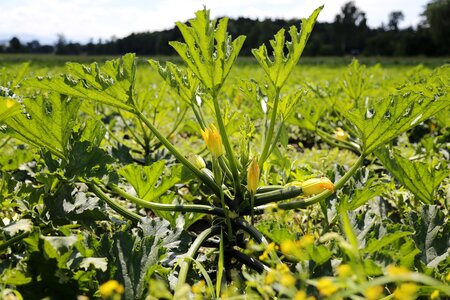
219,180
205,209
185,264
278,195
210,183
13,240
268,139
114,205
258,236
319,197
228,149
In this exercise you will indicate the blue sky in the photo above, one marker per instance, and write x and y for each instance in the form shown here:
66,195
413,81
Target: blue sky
80,20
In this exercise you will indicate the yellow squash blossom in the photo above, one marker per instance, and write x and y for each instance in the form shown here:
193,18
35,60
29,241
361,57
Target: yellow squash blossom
253,176
315,185
110,288
213,140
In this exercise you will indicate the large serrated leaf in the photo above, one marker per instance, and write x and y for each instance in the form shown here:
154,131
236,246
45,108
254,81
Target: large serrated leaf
112,83
138,257
48,123
432,234
282,65
147,180
182,81
208,50
418,177
381,121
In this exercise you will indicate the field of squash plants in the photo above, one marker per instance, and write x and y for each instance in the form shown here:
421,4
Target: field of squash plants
214,178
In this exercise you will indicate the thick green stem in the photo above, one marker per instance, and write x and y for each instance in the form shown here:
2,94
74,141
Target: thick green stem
338,143
13,240
205,209
258,236
185,264
268,139
210,183
278,195
219,180
228,149
114,205
319,197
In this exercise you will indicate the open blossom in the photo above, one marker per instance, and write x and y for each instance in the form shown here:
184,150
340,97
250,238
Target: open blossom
253,176
213,140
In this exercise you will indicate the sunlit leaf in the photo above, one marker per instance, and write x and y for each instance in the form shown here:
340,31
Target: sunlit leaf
112,83
282,65
420,178
208,50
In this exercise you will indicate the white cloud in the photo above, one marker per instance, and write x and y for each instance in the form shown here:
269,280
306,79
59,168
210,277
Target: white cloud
80,20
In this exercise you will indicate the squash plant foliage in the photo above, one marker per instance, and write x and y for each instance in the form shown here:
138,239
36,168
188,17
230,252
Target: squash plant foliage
88,206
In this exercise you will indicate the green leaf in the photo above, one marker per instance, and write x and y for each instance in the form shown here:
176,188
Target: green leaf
308,113
282,65
318,253
432,234
85,161
420,178
112,84
48,123
145,179
378,122
100,263
138,257
354,81
277,232
182,81
8,108
207,49
24,225
376,244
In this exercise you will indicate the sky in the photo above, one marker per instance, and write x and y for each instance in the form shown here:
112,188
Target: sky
80,20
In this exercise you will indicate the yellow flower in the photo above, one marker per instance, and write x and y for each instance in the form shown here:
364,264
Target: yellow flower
448,277
288,247
287,280
253,176
405,291
197,161
198,287
300,295
374,292
271,247
213,140
344,270
271,277
435,294
305,241
326,287
340,134
396,270
111,287
317,185
283,268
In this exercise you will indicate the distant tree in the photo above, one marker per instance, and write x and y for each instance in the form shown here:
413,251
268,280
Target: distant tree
395,18
15,46
61,44
437,14
350,28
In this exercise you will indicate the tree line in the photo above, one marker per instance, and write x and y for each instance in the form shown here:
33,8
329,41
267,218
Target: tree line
349,34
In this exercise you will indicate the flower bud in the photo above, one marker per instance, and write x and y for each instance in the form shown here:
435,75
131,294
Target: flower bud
253,176
213,140
317,185
197,161
340,134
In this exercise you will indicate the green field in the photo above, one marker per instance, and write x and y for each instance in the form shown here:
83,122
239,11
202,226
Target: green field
256,179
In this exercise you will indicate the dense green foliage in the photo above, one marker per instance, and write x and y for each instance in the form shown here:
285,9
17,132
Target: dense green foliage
99,178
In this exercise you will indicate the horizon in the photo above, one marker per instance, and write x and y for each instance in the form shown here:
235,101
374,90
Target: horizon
114,18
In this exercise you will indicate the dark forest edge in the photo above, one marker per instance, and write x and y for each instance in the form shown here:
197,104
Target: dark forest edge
349,34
